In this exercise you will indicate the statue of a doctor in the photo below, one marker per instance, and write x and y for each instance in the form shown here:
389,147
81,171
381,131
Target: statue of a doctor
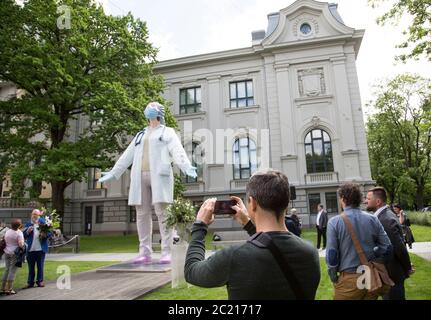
152,183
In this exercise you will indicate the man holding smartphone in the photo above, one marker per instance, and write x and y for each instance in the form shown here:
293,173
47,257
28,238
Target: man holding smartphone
251,271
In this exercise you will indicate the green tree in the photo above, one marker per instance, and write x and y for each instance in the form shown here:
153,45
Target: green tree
98,70
419,30
399,137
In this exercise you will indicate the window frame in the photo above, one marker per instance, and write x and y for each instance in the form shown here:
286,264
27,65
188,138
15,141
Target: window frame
313,196
185,178
92,183
100,218
132,214
237,99
330,209
325,161
197,106
239,165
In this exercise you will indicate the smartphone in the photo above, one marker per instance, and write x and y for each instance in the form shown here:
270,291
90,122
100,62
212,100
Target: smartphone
224,207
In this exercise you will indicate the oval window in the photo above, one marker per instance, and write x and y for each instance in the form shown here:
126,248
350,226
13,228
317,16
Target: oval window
305,28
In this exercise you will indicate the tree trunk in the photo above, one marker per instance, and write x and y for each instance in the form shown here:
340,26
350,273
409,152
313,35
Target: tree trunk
420,197
58,199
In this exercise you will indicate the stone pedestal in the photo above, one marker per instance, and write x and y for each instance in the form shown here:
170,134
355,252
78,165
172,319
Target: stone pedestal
178,256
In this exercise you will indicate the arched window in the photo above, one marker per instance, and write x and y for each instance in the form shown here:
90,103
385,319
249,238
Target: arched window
244,158
318,152
196,157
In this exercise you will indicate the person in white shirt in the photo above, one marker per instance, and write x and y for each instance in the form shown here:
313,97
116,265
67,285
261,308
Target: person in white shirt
14,239
321,224
37,244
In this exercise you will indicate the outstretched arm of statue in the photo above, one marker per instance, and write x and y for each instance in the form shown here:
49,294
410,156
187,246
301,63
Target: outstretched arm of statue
106,176
179,155
121,165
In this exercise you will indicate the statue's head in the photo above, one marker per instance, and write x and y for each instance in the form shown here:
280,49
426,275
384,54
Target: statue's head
155,110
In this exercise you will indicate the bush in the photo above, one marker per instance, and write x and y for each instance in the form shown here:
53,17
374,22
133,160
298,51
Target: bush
420,218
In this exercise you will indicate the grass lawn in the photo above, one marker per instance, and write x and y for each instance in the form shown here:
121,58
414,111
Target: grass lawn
129,243
309,234
109,244
421,233
418,287
120,244
50,271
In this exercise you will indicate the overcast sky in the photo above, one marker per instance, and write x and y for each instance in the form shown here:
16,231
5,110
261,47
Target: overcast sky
188,27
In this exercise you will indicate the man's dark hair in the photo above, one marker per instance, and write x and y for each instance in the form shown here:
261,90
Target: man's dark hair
379,193
351,194
16,224
270,189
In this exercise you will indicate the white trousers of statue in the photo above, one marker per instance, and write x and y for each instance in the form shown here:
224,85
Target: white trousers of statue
144,221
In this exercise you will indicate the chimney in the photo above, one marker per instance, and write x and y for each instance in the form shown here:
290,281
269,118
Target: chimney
257,37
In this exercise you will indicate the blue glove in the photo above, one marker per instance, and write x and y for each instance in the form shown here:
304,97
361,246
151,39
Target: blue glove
191,172
106,177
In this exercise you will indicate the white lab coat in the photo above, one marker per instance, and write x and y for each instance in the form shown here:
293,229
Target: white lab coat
162,152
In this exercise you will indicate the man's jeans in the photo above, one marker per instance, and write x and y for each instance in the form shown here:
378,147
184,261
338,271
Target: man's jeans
33,258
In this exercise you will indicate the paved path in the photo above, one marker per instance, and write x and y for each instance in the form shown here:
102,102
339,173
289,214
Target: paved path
422,249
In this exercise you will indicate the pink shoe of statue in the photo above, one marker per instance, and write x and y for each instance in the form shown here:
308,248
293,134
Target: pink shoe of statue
165,259
142,260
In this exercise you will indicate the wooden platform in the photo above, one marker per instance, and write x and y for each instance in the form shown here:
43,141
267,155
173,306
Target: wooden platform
94,285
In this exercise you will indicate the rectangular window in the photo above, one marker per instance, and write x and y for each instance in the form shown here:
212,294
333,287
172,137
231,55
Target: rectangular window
99,214
331,202
190,100
313,202
94,175
88,219
241,94
196,156
132,214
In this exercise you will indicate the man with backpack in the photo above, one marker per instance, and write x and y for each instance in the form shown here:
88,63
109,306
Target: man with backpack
272,264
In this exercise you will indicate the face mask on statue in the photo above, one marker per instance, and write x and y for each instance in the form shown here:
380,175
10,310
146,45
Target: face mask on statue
151,113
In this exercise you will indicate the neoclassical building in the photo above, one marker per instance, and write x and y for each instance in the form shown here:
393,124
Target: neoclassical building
289,101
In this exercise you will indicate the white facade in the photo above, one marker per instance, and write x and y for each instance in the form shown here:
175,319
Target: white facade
301,81
303,76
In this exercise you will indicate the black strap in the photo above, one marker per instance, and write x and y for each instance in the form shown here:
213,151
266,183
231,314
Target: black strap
139,136
263,240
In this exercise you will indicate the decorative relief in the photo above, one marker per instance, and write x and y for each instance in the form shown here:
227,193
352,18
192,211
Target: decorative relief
311,82
315,121
305,19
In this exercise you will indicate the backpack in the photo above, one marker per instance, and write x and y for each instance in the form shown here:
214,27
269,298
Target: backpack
292,226
2,246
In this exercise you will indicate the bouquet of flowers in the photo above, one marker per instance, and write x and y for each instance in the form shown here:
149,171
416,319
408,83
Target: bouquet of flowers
181,213
52,222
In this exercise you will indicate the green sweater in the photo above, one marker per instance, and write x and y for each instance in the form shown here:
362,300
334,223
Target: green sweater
250,272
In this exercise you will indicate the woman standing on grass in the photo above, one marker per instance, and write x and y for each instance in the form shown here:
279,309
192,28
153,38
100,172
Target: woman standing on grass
14,238
405,224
